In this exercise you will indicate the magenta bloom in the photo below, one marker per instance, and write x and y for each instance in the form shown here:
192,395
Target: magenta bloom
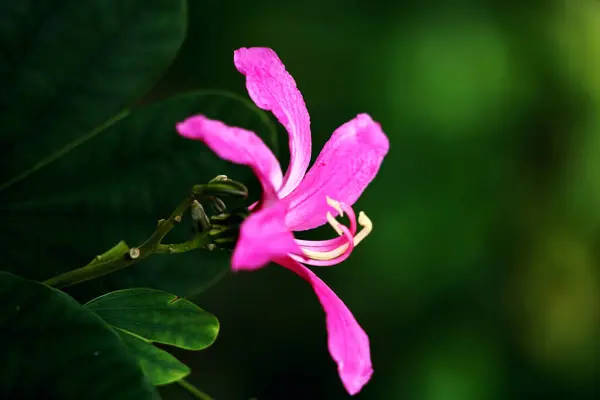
299,201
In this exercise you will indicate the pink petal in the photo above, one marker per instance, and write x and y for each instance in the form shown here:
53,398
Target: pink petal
347,164
322,245
272,88
264,237
327,245
347,341
331,244
238,146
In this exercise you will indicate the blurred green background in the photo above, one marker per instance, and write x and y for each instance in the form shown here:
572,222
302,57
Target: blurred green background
481,279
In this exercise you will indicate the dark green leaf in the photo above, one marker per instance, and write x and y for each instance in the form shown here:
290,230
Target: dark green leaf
115,187
158,317
159,366
67,66
53,348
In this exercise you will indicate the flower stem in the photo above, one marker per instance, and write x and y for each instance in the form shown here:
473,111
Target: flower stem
93,270
197,242
121,256
193,390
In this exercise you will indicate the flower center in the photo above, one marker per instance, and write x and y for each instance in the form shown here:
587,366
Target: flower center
335,250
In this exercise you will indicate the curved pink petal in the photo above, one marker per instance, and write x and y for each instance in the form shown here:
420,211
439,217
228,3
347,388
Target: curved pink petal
347,164
325,246
322,245
272,88
264,237
238,146
347,341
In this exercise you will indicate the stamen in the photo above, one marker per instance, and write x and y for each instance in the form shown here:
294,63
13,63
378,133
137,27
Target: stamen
337,254
334,223
367,225
343,209
335,205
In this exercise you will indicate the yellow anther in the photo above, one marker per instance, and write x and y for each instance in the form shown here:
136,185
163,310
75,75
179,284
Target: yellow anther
367,225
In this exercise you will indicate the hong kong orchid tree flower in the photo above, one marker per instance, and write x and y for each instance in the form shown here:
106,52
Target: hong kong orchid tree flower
299,201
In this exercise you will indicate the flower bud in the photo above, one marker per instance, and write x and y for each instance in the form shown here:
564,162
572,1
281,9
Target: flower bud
225,227
218,188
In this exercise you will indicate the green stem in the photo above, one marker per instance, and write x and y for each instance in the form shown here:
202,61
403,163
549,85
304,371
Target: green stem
193,390
110,262
90,271
121,256
200,241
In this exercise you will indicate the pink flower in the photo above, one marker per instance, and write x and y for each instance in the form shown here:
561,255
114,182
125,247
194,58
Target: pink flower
299,200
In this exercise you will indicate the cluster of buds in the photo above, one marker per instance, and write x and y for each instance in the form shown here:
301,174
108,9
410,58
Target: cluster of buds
223,225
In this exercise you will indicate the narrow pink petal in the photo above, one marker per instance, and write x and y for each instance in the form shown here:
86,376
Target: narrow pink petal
238,146
272,88
347,164
322,245
327,245
264,237
347,341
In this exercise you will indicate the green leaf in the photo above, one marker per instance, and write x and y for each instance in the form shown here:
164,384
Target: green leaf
53,348
68,66
159,366
115,187
158,317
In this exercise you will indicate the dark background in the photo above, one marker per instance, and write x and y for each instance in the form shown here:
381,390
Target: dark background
481,278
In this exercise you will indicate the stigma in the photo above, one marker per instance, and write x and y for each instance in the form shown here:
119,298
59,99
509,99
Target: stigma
334,251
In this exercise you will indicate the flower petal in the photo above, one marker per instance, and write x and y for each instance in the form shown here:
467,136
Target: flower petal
347,341
264,237
238,146
322,245
342,251
272,88
347,164
333,251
